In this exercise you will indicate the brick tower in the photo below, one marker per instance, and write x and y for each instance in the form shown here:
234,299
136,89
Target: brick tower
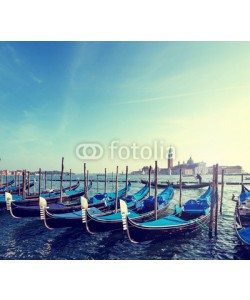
170,158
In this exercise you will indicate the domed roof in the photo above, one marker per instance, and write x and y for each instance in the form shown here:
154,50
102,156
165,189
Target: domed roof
190,161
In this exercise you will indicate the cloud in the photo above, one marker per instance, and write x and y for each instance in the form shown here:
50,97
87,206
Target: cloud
182,95
14,67
13,54
35,78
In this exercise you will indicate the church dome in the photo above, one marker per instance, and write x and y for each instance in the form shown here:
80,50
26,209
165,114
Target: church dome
190,161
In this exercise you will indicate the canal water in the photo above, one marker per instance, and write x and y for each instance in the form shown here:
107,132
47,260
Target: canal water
28,239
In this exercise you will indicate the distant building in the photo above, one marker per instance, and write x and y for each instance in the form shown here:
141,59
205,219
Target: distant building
9,173
227,169
136,172
190,168
170,158
164,171
145,170
190,162
168,170
20,172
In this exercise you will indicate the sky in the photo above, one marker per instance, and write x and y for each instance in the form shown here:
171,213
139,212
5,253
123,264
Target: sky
57,96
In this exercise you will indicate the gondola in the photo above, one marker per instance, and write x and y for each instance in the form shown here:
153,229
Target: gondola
45,194
73,217
3,199
108,199
15,189
97,221
140,195
193,215
242,209
31,208
177,185
48,192
242,216
4,185
242,231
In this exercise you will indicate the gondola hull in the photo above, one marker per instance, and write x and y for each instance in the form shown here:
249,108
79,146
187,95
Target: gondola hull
14,189
188,218
31,208
4,185
51,197
241,226
97,224
69,188
177,186
34,201
242,217
53,221
145,211
139,233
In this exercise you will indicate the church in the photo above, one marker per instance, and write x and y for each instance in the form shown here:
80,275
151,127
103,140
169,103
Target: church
188,168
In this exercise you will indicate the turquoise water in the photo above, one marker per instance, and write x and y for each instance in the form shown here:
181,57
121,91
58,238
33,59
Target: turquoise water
28,239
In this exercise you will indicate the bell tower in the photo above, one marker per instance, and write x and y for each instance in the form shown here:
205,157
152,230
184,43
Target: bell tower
170,158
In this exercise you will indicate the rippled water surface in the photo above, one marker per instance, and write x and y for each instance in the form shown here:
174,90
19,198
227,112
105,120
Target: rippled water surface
28,239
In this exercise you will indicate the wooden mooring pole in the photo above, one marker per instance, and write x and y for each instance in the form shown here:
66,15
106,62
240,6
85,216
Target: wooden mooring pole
211,220
23,178
34,180
70,179
105,180
51,181
222,190
156,190
97,183
149,180
45,180
84,174
126,180
61,179
180,196
216,201
87,183
18,184
112,181
28,182
24,184
116,190
39,185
